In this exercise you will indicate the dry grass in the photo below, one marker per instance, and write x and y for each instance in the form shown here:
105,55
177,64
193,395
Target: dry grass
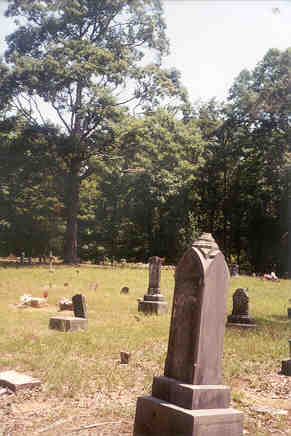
83,380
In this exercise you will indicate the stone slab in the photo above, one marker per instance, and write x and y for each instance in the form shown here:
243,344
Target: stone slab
16,381
155,417
153,307
286,367
67,324
191,396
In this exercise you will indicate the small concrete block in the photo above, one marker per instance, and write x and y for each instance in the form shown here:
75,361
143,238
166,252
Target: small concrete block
66,324
159,418
286,367
16,381
153,307
191,396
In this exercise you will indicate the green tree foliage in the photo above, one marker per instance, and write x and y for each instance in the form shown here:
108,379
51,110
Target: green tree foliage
83,59
152,207
243,184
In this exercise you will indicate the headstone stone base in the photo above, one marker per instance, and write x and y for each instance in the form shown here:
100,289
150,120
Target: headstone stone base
156,417
240,325
191,396
154,305
240,319
66,324
289,312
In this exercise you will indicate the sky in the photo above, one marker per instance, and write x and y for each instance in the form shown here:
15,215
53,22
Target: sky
213,40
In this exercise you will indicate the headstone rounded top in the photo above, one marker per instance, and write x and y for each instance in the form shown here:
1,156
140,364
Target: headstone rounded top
207,245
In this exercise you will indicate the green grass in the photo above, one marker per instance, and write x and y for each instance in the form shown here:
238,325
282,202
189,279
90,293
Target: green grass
85,362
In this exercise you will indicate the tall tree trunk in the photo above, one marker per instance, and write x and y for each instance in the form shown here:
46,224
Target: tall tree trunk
72,201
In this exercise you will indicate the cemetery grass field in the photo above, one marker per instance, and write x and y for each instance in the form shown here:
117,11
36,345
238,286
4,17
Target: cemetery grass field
85,390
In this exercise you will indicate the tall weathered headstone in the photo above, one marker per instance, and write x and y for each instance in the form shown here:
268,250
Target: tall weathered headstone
240,312
189,399
154,301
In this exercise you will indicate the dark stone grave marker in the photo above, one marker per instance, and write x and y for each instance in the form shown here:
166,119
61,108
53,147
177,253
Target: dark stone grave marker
189,399
154,301
240,313
79,306
79,321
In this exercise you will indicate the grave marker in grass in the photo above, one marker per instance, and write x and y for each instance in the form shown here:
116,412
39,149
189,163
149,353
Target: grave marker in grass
154,302
189,399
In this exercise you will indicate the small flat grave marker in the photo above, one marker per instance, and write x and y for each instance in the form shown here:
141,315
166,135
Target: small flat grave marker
16,381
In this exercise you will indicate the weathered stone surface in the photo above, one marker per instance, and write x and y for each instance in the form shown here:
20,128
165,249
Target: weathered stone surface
16,381
79,306
154,302
198,315
240,311
155,264
188,400
159,418
66,324
191,396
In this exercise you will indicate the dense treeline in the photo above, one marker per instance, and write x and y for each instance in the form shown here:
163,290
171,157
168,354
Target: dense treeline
129,176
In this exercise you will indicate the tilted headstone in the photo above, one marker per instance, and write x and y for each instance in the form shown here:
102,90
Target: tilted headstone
189,399
79,306
240,312
154,301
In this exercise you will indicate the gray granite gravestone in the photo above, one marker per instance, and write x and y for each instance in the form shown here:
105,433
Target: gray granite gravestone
240,313
154,301
189,399
79,321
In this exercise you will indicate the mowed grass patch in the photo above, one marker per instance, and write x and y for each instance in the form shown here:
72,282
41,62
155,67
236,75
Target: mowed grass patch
84,360
86,363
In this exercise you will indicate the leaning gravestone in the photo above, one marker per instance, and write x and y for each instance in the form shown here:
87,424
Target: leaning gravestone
240,313
70,323
154,301
189,399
